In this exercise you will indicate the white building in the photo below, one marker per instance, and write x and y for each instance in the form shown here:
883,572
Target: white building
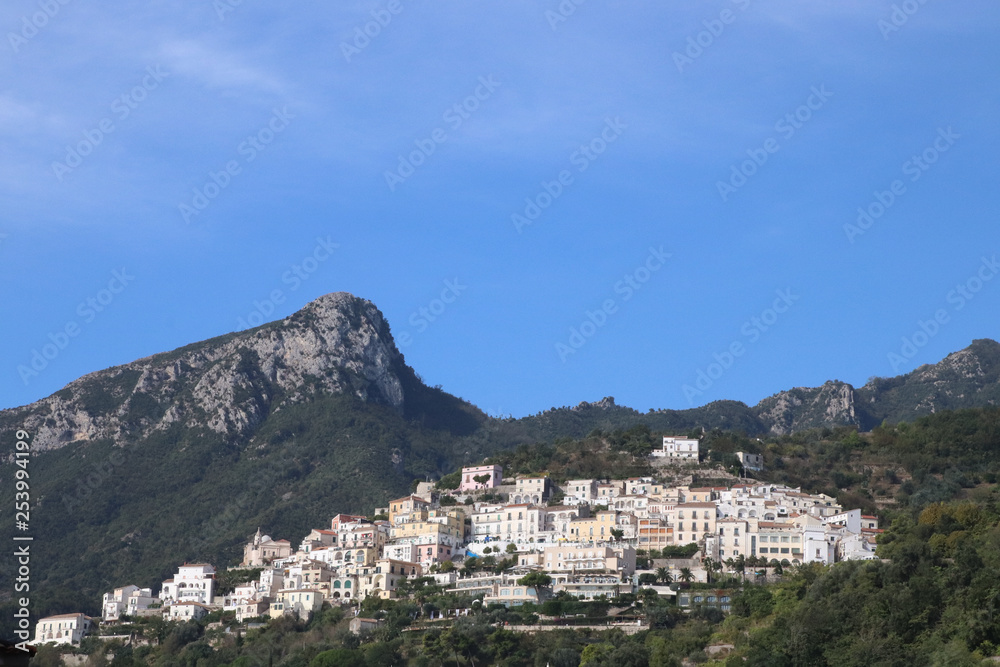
62,629
685,449
578,558
579,491
187,611
127,600
513,523
192,583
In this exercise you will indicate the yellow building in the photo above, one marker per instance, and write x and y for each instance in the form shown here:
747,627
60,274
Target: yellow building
403,506
595,528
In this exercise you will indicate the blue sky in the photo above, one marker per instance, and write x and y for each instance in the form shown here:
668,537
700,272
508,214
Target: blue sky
697,173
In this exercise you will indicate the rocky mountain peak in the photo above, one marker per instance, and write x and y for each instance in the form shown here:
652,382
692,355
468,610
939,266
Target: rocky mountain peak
336,344
809,407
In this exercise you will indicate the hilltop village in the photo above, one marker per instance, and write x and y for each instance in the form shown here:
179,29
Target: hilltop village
590,538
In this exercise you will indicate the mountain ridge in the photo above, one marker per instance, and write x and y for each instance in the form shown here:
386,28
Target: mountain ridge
181,455
341,343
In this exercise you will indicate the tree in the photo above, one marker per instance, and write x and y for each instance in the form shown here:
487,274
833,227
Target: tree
511,548
535,579
339,657
740,564
618,534
482,479
686,575
647,579
711,566
663,575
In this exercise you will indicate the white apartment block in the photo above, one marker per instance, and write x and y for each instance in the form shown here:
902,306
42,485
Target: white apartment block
639,486
579,491
578,558
513,523
683,449
187,611
192,583
127,600
557,519
62,629
692,521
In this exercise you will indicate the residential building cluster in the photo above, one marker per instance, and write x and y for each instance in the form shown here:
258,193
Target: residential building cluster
586,542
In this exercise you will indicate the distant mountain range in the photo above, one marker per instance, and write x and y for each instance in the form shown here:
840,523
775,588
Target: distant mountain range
182,455
965,379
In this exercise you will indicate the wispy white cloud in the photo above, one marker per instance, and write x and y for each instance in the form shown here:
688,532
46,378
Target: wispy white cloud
218,69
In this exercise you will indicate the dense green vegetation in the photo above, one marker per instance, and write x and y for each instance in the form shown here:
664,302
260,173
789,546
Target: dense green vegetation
934,602
106,516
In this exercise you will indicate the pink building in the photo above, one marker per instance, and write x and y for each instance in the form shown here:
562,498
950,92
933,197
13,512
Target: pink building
494,472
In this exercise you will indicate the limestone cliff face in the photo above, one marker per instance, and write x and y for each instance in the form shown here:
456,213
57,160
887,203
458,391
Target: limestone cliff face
338,343
802,408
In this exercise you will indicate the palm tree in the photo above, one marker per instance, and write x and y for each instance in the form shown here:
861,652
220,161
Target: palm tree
686,576
741,566
663,575
709,566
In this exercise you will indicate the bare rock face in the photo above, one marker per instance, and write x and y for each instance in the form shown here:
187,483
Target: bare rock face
336,344
801,408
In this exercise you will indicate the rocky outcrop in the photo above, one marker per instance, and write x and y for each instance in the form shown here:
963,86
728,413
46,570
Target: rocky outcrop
802,408
337,344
